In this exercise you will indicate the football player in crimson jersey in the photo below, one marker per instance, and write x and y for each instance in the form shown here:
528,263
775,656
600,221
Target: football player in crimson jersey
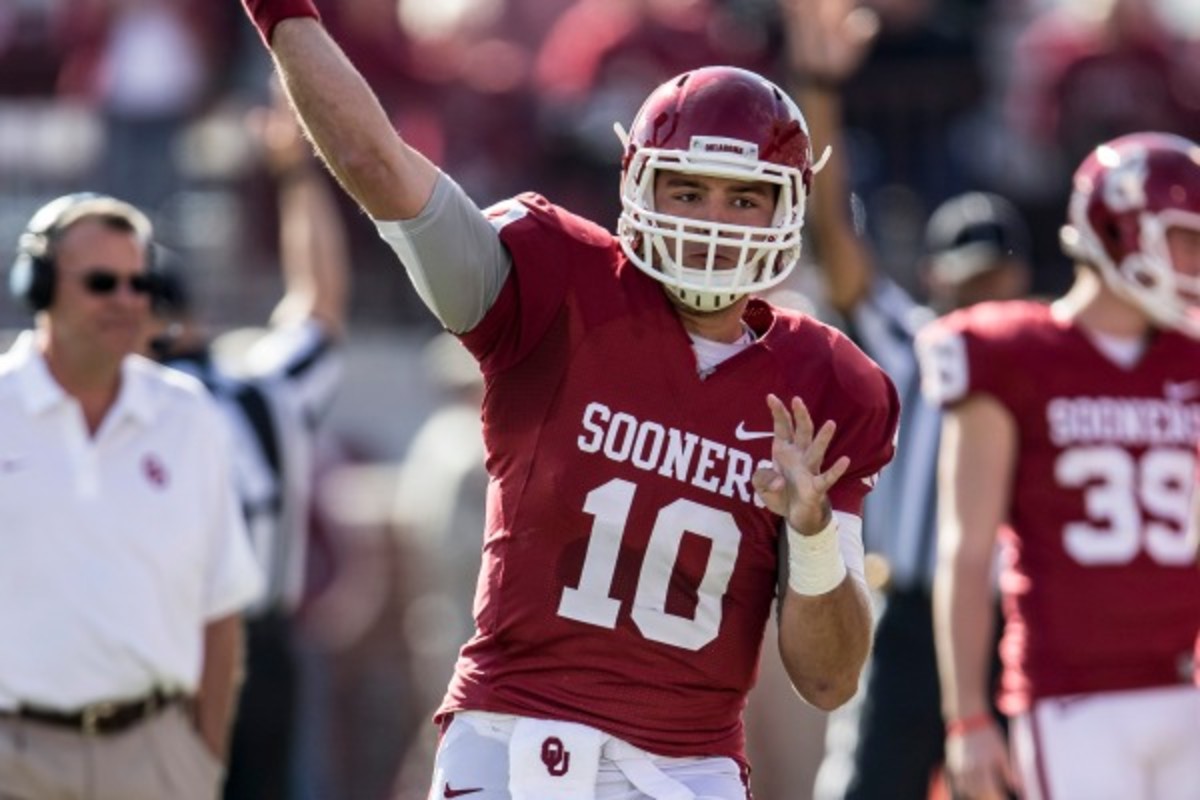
1070,431
669,458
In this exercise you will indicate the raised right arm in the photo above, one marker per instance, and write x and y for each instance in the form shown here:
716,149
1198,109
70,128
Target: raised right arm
451,253
344,119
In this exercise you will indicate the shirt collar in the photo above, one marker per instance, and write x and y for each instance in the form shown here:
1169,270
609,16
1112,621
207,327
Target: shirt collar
136,398
41,392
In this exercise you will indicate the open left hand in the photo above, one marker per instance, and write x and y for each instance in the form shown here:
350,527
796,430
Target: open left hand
795,487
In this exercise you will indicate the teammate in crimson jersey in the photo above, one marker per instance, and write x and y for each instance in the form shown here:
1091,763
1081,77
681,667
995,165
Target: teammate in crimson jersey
1071,430
650,437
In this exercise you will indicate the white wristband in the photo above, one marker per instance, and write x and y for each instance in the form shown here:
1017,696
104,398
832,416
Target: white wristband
815,563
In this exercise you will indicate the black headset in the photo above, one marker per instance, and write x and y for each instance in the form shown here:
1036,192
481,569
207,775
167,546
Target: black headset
31,279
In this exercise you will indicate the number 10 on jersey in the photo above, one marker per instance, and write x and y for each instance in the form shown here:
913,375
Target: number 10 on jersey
590,602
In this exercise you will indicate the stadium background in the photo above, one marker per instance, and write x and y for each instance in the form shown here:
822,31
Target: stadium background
149,100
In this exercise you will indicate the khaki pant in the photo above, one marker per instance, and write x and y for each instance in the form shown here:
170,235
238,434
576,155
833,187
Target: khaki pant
162,757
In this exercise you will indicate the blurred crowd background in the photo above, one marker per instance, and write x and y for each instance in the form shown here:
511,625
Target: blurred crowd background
154,100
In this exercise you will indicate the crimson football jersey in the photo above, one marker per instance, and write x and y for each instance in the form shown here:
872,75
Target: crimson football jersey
1100,586
628,567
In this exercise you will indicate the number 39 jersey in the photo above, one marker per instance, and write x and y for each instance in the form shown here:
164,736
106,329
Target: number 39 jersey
628,568
1101,589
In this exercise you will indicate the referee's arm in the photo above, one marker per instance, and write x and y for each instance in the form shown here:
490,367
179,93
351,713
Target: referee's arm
845,261
314,256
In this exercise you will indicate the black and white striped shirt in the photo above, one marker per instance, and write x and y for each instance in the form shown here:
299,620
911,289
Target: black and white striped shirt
900,516
273,410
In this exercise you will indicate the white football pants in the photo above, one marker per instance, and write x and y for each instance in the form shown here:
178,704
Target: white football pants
486,756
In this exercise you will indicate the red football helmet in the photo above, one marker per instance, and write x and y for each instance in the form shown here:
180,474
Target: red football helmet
720,122
1127,194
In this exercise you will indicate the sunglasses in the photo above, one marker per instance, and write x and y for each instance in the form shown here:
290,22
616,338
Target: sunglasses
102,282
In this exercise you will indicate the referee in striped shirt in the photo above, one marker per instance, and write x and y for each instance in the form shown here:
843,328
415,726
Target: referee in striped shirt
976,249
273,405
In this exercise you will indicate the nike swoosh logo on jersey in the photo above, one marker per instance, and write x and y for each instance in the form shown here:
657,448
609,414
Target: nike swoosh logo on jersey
743,435
448,792
1181,391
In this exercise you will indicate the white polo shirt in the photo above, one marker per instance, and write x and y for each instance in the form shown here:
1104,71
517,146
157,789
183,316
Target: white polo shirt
117,549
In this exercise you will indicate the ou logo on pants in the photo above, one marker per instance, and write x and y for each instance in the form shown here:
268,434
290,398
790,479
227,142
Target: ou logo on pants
555,756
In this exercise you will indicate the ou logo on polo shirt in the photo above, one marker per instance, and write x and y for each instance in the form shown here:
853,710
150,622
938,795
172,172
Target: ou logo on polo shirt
154,470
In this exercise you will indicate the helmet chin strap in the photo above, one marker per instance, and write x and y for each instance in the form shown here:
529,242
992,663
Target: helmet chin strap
704,302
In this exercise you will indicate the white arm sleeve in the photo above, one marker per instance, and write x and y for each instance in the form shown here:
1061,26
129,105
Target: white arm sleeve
452,254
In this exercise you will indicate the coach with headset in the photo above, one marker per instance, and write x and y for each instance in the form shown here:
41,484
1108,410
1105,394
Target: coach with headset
124,564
